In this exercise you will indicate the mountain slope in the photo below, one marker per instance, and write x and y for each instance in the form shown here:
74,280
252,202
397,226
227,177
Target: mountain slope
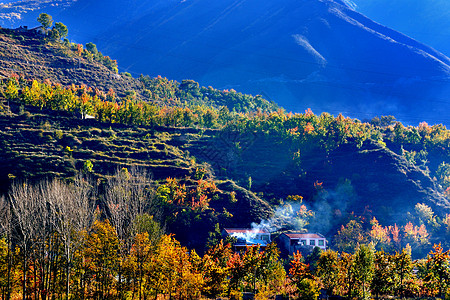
318,54
33,57
315,53
426,21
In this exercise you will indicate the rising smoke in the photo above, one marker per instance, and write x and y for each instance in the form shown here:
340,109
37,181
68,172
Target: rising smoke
325,212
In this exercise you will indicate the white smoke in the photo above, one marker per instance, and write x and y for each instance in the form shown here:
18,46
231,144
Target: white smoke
330,205
287,216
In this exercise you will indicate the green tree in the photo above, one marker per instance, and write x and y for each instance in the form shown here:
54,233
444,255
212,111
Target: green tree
443,175
438,273
350,236
11,91
383,277
364,268
46,20
91,47
88,166
313,258
61,29
327,270
403,266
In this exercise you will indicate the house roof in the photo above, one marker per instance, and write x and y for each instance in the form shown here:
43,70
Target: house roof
304,235
244,230
39,28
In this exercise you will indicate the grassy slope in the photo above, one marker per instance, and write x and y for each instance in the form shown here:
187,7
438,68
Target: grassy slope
35,144
31,56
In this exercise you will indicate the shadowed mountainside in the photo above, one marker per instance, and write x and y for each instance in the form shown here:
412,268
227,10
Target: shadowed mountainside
318,54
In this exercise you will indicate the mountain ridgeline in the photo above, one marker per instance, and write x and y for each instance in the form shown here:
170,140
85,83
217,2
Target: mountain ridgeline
317,54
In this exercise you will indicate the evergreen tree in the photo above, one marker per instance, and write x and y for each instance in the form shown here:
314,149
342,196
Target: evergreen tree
46,20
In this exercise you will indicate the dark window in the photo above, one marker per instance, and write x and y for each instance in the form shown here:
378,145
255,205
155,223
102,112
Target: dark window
312,242
321,243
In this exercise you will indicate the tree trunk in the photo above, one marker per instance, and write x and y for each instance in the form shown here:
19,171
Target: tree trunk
24,277
35,284
8,276
140,282
67,279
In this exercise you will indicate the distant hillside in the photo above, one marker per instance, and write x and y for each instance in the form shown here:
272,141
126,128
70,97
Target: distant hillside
30,55
426,21
25,12
35,56
317,54
37,144
341,167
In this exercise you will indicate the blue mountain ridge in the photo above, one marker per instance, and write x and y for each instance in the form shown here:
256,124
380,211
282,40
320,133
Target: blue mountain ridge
318,54
426,21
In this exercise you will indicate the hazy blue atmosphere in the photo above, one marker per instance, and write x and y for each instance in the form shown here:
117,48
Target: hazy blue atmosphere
313,54
425,21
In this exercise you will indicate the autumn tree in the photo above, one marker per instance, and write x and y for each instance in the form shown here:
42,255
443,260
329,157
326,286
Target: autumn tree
437,274
173,271
102,253
415,235
327,270
138,262
364,268
383,278
346,279
215,270
379,235
235,265
6,256
302,278
73,208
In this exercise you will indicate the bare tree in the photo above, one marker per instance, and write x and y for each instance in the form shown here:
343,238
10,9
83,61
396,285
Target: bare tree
29,214
44,242
128,193
5,231
73,208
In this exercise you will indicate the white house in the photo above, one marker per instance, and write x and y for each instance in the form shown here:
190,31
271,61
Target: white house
39,30
292,241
